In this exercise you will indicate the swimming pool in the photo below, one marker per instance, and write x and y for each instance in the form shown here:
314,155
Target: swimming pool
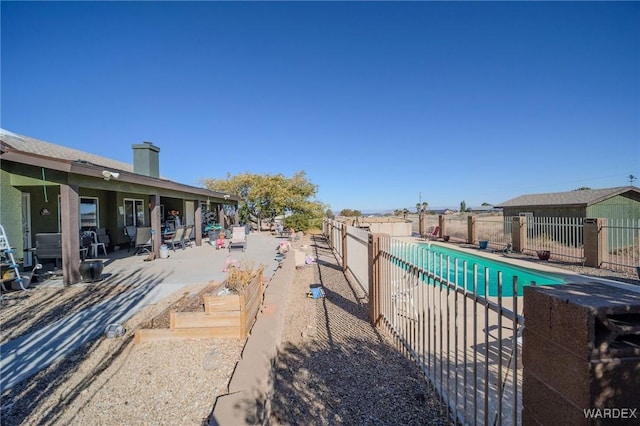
442,261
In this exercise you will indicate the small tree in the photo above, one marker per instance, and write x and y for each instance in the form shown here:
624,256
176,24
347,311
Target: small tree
350,213
463,206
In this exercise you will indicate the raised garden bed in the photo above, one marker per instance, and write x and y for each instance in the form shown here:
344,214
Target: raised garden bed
208,315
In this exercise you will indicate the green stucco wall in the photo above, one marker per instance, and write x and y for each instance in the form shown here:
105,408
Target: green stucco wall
11,212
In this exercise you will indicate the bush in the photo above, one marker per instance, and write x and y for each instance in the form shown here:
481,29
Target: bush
301,222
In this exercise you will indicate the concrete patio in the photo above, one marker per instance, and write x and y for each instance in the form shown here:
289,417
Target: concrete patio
149,282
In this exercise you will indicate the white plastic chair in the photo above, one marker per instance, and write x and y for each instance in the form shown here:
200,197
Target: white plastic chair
96,244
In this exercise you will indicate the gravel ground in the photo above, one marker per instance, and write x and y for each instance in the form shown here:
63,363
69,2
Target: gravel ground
334,367
115,382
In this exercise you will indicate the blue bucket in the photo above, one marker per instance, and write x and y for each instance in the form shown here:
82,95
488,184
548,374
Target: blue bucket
483,244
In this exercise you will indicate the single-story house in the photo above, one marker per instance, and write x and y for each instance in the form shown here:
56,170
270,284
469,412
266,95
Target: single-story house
49,188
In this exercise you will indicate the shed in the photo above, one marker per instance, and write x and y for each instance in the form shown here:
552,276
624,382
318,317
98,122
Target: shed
610,203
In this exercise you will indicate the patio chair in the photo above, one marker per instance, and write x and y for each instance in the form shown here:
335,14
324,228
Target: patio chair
130,232
49,246
144,240
177,239
96,244
186,239
433,232
238,238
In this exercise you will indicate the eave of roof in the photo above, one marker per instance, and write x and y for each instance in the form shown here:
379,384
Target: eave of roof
85,168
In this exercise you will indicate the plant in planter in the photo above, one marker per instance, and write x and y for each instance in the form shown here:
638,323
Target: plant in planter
240,276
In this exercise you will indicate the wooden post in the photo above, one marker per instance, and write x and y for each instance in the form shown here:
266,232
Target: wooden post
472,235
198,223
70,218
374,278
443,226
344,248
156,236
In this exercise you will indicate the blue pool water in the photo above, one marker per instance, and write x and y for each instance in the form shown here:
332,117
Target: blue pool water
433,258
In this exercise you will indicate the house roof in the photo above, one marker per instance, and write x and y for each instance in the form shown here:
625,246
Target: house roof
27,150
38,147
578,198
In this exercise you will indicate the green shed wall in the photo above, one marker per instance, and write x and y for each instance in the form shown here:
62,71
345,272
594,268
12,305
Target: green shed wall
618,207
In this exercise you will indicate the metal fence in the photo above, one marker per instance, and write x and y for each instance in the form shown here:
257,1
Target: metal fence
441,314
562,236
623,244
466,344
333,231
495,229
358,255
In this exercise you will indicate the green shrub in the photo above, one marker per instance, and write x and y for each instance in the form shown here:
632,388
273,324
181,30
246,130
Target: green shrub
302,222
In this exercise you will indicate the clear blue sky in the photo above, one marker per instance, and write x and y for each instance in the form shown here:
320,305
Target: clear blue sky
377,102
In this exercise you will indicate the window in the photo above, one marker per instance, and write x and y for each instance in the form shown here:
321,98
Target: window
133,212
89,213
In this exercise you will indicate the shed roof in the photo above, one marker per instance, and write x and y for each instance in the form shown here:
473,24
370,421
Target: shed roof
577,198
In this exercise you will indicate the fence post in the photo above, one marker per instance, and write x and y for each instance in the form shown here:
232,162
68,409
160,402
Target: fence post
595,241
344,248
441,225
330,227
471,229
421,220
374,278
519,233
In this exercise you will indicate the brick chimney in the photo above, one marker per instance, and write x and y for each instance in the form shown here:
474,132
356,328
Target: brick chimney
146,160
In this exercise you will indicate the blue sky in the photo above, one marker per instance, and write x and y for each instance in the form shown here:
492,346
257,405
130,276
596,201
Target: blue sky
378,102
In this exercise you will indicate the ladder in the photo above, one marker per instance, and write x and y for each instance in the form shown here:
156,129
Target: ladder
7,252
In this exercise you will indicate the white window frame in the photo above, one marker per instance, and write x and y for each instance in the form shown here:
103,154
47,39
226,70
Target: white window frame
134,202
97,204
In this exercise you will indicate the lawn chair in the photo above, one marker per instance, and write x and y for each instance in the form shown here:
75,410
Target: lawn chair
432,233
177,239
186,239
144,240
238,238
130,232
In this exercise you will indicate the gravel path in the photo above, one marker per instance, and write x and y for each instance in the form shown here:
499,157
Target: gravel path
334,367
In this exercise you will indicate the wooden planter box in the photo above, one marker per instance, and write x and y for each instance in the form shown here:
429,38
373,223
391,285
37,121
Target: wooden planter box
229,316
